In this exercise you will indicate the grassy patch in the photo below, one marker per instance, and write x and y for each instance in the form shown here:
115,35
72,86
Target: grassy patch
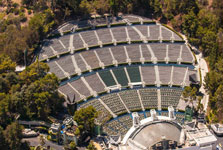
2,15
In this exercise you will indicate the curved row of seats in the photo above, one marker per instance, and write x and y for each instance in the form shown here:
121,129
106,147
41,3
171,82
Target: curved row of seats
121,77
103,36
127,101
120,69
87,61
122,124
69,26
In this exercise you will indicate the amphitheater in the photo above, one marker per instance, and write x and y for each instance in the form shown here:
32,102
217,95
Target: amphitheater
120,65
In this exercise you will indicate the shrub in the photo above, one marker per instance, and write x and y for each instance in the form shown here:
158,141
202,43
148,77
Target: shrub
1,3
22,9
29,11
16,11
49,138
22,17
15,5
8,10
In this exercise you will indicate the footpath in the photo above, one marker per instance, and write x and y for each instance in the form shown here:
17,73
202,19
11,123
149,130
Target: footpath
202,65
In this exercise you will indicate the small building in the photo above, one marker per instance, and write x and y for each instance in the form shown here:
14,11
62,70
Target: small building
69,128
217,128
26,133
65,132
67,121
201,137
54,131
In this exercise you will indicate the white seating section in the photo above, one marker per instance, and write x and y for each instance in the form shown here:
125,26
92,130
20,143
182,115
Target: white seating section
103,36
69,26
97,83
119,69
94,81
87,61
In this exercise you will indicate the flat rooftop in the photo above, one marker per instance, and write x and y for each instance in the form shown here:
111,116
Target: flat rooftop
202,137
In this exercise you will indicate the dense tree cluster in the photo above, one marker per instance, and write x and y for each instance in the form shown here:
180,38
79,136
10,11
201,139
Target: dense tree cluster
201,22
45,14
14,39
31,94
85,118
11,138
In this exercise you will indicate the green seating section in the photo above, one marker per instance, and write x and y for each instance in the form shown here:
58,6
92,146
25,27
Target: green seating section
107,78
134,74
121,76
114,103
170,97
108,130
131,99
149,98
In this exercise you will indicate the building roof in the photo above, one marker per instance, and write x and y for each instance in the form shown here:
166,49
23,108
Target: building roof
55,126
201,137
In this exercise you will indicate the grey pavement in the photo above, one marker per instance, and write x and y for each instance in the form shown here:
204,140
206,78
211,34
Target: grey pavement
35,142
204,70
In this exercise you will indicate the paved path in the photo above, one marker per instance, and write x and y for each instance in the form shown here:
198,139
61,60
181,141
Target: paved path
35,142
219,140
204,69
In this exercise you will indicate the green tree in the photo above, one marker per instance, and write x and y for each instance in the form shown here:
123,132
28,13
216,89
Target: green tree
212,81
85,118
42,22
6,64
13,136
190,94
4,85
3,144
208,43
87,7
4,112
91,146
72,146
33,72
200,106
156,8
217,9
190,24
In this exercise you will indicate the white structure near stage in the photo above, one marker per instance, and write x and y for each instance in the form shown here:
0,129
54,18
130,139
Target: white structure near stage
162,132
217,128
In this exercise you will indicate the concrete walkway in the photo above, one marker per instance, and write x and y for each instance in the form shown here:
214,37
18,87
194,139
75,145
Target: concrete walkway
202,65
204,70
34,141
